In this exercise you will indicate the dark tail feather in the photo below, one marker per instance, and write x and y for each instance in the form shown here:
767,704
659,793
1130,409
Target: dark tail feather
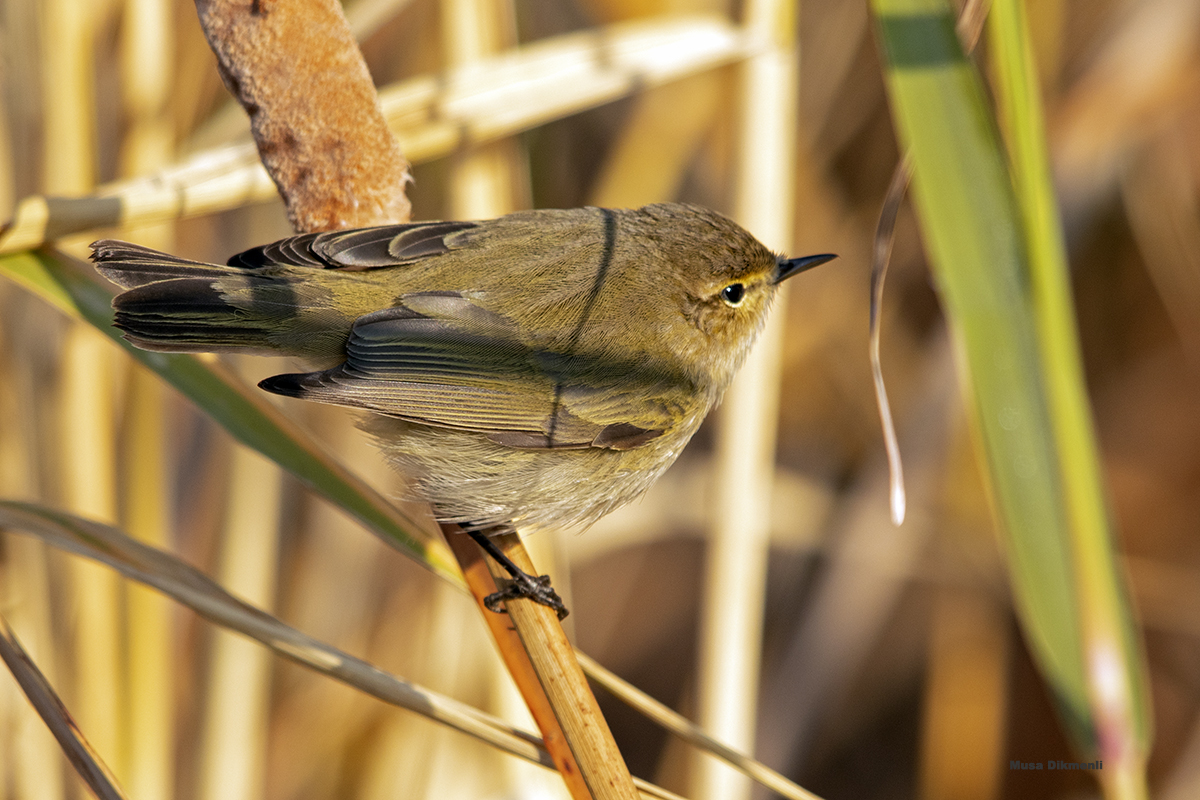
174,305
187,315
131,265
289,385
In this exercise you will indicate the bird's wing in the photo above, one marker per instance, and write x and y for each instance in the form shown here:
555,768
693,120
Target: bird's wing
441,360
356,250
131,265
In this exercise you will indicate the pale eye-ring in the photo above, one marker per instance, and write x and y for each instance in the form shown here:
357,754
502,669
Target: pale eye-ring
734,294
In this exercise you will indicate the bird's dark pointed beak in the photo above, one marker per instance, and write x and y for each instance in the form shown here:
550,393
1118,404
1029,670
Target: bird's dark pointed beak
787,267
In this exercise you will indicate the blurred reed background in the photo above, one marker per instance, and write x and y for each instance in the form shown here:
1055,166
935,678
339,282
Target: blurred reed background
891,665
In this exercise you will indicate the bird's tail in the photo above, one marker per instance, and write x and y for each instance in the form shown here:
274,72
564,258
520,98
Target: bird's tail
175,305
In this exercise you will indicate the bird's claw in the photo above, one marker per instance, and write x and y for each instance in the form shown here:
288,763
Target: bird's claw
523,585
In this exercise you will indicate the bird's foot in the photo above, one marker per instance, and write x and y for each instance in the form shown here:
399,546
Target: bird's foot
524,585
521,583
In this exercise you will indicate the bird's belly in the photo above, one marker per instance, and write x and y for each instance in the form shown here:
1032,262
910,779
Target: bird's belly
467,478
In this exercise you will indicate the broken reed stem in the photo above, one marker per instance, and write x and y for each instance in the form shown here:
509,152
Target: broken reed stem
543,664
479,580
313,110
553,658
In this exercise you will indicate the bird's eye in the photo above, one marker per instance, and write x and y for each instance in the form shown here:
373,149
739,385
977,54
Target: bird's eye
734,294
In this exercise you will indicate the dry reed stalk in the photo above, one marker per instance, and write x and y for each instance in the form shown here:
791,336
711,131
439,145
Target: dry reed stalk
234,739
483,182
87,425
8,184
146,65
520,658
150,663
553,78
20,39
644,167
147,56
735,583
477,572
87,418
584,728
433,117
197,85
36,759
506,700
68,61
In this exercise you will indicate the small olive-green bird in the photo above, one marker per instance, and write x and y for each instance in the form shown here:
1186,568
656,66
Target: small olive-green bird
539,369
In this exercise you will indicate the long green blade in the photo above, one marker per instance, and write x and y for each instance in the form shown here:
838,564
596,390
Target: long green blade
1115,668
973,234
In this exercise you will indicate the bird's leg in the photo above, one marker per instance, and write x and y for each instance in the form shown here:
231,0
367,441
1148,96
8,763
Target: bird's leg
523,584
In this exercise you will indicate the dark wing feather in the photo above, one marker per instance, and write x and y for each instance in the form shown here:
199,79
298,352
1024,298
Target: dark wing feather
294,251
355,250
471,372
386,246
428,239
